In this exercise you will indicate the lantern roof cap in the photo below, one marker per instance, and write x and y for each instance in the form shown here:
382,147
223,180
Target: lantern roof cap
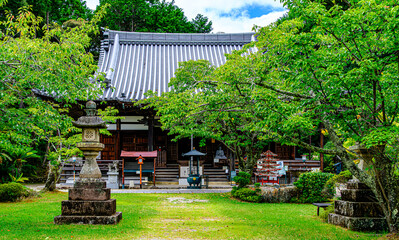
193,153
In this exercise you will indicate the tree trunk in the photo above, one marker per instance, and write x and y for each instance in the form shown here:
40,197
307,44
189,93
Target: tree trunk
51,180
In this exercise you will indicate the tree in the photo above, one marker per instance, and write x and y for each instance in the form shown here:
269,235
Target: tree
151,16
55,67
11,6
59,11
195,105
201,24
330,66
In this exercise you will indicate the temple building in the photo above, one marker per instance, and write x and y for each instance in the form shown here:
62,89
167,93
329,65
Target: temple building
134,63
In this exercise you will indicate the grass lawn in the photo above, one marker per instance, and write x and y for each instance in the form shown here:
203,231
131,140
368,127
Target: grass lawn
164,216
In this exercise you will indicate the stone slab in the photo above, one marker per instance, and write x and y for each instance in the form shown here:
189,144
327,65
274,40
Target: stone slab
88,208
358,223
358,209
88,194
356,185
358,195
104,220
90,184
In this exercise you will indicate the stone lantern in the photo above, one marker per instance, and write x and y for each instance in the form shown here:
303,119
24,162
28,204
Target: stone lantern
89,200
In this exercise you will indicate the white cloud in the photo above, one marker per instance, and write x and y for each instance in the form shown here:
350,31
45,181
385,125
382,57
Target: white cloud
242,24
92,4
213,9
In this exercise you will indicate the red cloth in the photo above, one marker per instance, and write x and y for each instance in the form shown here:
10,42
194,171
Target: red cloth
152,154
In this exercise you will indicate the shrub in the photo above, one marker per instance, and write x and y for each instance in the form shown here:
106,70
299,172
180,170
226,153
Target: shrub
327,210
329,187
242,179
11,192
247,194
310,186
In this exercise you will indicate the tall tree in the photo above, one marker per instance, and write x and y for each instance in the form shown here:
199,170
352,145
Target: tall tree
151,16
201,24
55,65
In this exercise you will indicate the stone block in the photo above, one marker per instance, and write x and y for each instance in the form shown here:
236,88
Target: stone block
91,184
356,185
105,220
358,223
357,195
358,209
94,194
88,208
112,181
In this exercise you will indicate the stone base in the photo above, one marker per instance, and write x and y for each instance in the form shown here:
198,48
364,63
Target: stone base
358,209
89,194
104,220
356,184
358,223
358,195
84,208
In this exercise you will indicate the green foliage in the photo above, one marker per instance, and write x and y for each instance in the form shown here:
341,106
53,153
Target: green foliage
310,186
326,211
329,64
31,68
151,16
329,187
209,113
11,192
242,179
247,194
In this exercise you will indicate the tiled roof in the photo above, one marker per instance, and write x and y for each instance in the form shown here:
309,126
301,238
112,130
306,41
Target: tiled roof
137,62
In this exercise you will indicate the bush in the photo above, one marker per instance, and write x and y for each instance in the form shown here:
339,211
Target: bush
11,192
329,187
242,179
246,194
310,186
327,210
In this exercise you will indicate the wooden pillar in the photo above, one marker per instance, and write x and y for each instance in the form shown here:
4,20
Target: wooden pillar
153,175
118,139
123,173
150,133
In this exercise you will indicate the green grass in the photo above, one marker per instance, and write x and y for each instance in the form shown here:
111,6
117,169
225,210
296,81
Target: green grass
154,216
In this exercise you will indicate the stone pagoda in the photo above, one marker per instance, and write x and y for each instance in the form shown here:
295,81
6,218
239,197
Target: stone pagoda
89,200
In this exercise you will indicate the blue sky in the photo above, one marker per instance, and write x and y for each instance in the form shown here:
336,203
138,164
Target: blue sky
229,15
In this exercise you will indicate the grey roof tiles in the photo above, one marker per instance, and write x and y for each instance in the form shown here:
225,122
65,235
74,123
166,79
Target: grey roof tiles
137,62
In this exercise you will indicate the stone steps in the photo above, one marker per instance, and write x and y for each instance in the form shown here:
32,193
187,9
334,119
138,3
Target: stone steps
167,175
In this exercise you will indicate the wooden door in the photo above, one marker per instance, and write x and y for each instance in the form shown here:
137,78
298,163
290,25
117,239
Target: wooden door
133,141
285,152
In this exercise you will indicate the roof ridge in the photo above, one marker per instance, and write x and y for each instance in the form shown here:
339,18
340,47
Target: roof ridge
179,37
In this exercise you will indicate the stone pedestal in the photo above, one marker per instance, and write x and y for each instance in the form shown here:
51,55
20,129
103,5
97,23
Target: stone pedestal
358,210
89,203
113,180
